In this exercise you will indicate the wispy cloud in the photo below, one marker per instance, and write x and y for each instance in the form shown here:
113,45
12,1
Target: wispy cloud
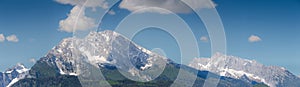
254,38
204,39
32,60
12,38
111,12
2,38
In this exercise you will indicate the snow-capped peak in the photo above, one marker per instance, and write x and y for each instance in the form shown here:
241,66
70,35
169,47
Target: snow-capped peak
14,74
20,68
235,67
101,49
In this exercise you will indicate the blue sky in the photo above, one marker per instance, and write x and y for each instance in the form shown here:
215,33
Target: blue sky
36,24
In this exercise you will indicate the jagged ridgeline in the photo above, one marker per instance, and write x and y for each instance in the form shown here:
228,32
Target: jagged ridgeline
58,67
249,70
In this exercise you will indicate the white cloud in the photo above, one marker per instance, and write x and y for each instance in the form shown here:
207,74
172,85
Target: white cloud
32,60
85,3
152,10
2,38
111,12
12,38
254,38
77,15
204,39
173,5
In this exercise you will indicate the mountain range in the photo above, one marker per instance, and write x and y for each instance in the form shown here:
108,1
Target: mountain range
77,62
235,67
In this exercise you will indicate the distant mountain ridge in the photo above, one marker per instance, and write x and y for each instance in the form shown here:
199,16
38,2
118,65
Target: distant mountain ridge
235,67
12,75
106,51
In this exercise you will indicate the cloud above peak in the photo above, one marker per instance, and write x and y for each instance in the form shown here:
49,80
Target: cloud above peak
254,38
77,20
85,3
